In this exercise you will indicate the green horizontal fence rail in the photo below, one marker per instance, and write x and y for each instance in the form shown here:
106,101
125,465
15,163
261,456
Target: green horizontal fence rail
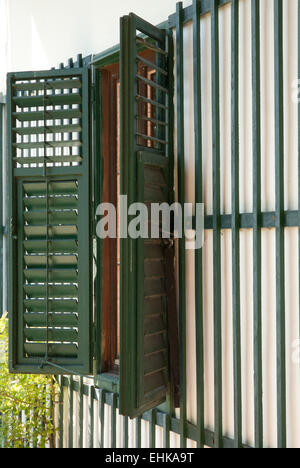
236,221
107,425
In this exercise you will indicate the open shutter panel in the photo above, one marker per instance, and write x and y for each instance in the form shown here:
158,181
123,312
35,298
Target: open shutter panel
49,165
146,168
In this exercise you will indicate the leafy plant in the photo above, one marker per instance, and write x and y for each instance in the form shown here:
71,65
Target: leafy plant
26,404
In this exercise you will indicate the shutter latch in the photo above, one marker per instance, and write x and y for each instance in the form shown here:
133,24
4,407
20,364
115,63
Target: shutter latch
168,243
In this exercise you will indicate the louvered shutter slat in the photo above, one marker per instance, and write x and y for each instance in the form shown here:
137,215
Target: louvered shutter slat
54,275
57,84
50,306
55,232
60,129
68,305
38,116
37,350
39,161
53,202
54,217
39,334
50,144
64,187
48,100
54,320
58,246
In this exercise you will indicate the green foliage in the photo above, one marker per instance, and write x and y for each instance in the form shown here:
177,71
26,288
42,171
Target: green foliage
26,404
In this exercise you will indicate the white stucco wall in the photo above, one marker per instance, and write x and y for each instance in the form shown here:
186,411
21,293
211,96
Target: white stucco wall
40,34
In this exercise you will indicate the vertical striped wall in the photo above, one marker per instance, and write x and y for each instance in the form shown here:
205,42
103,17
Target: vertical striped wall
237,150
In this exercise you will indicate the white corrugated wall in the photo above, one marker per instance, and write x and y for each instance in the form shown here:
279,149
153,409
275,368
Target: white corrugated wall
246,206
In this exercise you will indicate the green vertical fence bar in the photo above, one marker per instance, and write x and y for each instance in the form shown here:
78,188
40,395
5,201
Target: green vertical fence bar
80,413
152,430
166,421
257,310
198,199
138,434
125,432
101,417
113,422
279,175
181,198
91,417
61,414
216,223
237,377
166,431
71,413
235,221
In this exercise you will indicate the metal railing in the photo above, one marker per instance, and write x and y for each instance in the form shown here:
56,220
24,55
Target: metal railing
88,417
87,423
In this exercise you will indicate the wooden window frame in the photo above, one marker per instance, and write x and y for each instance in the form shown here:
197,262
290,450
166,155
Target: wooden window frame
110,76
109,150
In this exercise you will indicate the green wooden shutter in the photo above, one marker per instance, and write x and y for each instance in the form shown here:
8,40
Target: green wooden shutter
49,195
146,172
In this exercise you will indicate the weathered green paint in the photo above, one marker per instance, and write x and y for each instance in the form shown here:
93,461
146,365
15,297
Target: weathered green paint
61,414
237,377
198,199
97,192
152,429
127,278
216,223
113,422
70,414
168,423
101,402
280,259
188,12
143,380
181,199
257,222
138,432
166,428
38,228
91,418
80,413
125,432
